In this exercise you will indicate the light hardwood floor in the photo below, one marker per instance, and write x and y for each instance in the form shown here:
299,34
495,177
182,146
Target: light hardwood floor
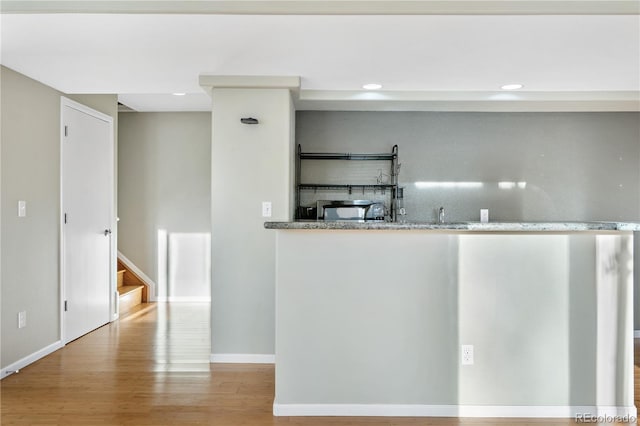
152,368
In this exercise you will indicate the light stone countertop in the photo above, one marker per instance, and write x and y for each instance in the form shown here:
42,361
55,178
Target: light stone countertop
460,226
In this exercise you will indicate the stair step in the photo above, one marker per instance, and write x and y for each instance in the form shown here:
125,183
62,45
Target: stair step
126,289
121,278
130,296
131,279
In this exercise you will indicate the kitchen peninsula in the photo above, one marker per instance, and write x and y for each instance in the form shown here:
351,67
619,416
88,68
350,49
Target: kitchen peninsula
371,319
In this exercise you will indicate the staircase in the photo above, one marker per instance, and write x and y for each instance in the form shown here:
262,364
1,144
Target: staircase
131,289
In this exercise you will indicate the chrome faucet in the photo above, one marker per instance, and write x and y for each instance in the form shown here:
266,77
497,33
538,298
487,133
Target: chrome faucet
441,215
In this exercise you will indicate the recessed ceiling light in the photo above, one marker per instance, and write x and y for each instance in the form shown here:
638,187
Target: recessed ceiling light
513,86
372,86
179,94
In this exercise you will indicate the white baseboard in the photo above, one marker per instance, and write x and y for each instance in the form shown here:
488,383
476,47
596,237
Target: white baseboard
617,411
415,410
636,334
29,359
182,299
148,281
243,358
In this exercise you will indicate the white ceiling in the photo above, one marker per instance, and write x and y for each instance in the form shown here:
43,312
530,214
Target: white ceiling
146,57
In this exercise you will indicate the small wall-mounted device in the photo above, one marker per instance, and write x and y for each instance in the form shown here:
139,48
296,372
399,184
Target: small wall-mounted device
249,120
22,208
484,215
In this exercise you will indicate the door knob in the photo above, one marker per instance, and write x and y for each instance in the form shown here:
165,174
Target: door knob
107,232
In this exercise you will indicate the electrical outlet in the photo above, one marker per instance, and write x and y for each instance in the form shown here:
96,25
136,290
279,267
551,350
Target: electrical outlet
467,354
22,319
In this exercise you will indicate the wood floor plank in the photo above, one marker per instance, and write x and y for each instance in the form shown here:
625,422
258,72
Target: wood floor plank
152,368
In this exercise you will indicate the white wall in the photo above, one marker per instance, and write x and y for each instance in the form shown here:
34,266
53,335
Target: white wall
250,164
30,169
164,198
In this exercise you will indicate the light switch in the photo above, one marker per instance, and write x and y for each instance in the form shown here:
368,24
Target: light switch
22,208
266,209
22,319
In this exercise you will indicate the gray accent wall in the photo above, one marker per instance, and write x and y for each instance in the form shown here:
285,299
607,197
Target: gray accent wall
577,166
164,198
30,170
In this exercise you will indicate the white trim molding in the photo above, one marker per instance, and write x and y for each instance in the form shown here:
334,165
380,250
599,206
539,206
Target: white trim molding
243,359
359,100
249,81
418,410
179,299
209,82
148,281
30,359
334,7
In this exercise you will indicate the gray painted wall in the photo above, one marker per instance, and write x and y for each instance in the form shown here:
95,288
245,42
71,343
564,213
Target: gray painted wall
30,170
433,146
250,164
164,198
577,166
545,310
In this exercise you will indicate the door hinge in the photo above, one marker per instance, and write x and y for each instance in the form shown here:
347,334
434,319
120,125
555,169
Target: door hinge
66,131
65,306
65,218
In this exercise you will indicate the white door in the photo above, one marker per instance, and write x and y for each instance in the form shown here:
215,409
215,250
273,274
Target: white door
87,216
